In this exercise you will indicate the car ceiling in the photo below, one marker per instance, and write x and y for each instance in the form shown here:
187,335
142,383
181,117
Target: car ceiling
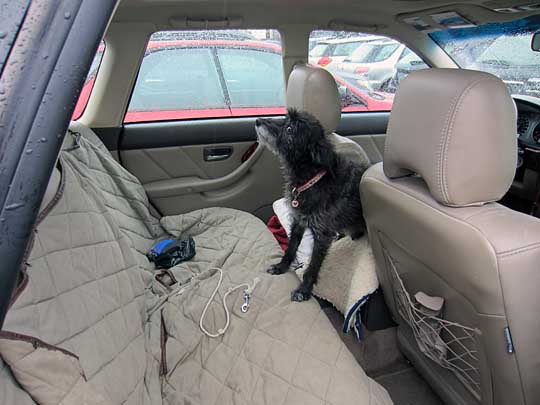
323,13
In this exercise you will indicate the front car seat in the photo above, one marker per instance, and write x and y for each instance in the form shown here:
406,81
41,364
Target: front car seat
438,234
314,90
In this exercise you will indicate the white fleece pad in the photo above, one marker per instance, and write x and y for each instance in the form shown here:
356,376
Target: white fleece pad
347,276
283,211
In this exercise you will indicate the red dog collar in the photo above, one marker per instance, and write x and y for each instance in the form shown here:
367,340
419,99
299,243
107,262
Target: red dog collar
296,191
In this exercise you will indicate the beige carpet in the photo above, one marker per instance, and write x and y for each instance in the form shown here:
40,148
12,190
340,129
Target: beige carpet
379,356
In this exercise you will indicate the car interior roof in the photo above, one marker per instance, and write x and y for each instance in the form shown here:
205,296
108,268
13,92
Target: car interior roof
376,15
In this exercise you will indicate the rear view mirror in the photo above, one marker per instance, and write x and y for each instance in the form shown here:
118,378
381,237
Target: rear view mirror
535,42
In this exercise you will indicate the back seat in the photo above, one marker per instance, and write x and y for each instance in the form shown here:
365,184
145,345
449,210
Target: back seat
91,323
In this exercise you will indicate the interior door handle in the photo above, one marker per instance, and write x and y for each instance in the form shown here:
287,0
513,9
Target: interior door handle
189,185
215,158
217,154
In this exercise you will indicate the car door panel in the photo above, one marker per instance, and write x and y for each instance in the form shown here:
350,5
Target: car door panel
178,186
155,164
251,187
168,158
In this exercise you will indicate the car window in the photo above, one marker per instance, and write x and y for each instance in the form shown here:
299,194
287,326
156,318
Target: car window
177,78
207,74
88,83
346,48
253,78
318,50
502,49
406,52
385,51
367,76
372,53
312,44
362,53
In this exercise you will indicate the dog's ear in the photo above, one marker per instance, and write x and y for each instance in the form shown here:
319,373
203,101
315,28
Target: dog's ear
323,154
292,113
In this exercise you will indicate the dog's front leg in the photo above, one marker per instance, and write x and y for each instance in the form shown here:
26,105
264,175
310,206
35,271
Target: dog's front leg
320,248
297,231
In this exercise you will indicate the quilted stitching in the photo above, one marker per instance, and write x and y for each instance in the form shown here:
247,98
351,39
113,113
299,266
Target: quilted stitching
91,290
276,353
85,291
122,194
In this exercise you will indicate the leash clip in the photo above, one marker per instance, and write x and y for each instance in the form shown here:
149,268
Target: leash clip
245,305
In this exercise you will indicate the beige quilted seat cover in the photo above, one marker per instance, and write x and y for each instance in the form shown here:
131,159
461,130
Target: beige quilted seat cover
90,324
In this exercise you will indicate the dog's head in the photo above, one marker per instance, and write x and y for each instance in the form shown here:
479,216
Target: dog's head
299,137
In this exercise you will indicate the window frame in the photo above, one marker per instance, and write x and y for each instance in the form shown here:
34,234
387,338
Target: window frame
84,96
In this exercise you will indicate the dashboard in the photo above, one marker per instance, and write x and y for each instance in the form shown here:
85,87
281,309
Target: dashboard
527,178
528,122
529,127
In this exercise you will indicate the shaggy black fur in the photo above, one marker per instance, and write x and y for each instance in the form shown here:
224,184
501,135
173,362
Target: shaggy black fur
329,207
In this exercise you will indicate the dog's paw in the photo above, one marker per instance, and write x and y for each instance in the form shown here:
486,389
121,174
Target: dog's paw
276,269
301,294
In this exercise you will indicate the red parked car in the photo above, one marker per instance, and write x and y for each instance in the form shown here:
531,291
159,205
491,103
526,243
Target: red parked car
186,79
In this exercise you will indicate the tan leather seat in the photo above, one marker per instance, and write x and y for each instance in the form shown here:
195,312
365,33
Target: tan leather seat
314,90
435,228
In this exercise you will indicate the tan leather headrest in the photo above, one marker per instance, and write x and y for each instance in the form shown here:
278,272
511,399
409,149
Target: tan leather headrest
456,129
314,90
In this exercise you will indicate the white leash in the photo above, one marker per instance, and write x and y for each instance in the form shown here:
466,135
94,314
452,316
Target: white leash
247,296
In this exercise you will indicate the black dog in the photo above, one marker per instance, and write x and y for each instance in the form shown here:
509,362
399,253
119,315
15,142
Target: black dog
322,187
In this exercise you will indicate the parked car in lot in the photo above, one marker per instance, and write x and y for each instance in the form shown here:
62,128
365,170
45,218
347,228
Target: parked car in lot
313,43
372,65
409,63
330,53
220,78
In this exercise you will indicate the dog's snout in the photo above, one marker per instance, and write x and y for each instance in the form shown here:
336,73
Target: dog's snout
258,122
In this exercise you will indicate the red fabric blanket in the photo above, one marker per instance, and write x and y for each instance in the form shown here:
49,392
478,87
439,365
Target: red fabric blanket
278,231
